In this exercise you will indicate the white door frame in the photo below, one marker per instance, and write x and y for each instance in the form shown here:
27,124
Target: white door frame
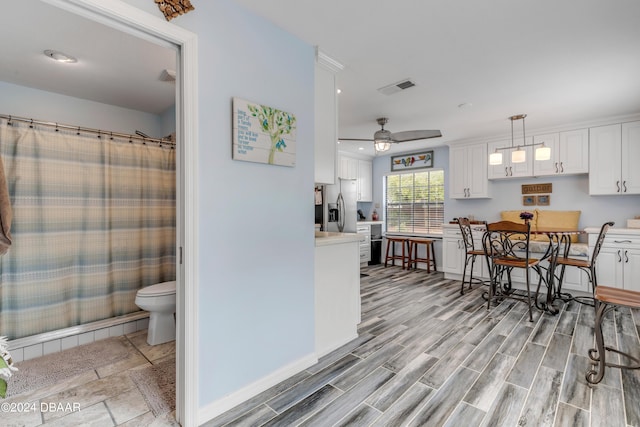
132,20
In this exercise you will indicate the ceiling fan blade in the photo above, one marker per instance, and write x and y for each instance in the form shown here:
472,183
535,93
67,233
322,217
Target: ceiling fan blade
353,139
413,135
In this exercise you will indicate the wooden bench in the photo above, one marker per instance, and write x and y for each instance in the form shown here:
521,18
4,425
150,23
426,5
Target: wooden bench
607,298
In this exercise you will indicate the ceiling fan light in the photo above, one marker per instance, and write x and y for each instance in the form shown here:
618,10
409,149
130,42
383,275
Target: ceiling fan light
518,156
495,159
543,153
381,145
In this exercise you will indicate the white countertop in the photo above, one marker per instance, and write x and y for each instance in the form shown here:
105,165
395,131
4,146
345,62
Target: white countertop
614,230
324,238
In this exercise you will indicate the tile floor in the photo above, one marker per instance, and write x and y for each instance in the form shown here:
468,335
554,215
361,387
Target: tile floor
426,356
106,396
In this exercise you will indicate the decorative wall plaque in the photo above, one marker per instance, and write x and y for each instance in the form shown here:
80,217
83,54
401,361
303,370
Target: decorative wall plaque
537,188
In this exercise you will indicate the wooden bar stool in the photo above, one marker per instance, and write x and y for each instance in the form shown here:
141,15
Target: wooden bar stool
391,244
606,299
413,253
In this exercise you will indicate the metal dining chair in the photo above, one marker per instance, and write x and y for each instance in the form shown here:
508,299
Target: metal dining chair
506,245
588,266
470,252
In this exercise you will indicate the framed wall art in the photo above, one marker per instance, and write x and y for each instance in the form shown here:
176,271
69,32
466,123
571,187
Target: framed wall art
543,200
528,200
423,159
263,134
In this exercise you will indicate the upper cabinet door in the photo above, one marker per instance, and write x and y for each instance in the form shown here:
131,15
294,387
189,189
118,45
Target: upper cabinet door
326,118
630,175
551,166
573,152
569,153
605,154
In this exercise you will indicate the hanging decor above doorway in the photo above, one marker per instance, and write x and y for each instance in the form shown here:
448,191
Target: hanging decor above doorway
173,8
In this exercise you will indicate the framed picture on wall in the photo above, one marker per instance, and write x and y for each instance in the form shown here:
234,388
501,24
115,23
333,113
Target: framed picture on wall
528,200
423,159
543,200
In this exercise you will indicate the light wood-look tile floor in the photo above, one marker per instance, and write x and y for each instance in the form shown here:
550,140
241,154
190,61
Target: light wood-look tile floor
427,356
106,396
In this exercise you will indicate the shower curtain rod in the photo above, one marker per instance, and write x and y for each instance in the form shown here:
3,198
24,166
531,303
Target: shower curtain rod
79,129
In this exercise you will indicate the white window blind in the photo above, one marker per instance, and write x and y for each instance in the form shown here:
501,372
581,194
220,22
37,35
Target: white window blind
415,202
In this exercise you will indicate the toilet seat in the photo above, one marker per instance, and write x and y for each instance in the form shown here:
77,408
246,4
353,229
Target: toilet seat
159,289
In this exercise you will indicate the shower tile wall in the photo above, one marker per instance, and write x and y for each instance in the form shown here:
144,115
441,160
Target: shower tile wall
20,354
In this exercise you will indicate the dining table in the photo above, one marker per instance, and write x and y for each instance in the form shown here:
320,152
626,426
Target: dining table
559,245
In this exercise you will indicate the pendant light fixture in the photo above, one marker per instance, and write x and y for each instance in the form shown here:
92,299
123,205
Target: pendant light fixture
519,155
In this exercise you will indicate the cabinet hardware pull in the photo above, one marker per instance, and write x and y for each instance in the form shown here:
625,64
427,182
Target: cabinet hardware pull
561,168
510,171
622,241
626,257
506,171
619,257
618,185
556,167
624,185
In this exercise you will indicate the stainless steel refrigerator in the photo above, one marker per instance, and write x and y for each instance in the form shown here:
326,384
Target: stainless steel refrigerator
342,206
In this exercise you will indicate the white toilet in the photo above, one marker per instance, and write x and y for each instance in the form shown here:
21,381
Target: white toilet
160,301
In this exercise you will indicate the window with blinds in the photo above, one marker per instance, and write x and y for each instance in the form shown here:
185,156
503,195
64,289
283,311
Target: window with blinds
415,202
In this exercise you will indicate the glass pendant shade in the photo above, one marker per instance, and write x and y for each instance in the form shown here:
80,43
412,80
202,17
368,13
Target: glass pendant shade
543,153
381,146
495,159
518,156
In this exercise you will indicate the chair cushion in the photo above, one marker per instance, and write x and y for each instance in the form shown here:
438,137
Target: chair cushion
558,220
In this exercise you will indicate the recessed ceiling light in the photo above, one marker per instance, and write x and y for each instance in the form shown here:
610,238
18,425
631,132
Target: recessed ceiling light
360,148
338,91
60,56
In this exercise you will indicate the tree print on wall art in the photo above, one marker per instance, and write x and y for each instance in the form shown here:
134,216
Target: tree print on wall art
263,134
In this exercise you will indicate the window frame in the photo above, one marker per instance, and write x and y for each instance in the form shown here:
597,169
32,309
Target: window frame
430,231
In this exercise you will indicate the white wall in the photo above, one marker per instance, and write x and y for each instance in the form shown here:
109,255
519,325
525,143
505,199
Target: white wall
256,221
52,107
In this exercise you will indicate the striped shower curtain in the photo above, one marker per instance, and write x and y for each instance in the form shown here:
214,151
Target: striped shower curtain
93,221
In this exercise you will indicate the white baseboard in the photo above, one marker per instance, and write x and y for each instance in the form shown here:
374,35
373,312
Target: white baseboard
228,402
335,345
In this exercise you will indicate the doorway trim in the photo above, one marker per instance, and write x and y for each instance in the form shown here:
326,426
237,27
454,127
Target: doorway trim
137,22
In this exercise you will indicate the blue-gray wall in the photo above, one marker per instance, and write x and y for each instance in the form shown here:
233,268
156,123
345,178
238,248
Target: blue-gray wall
52,107
569,193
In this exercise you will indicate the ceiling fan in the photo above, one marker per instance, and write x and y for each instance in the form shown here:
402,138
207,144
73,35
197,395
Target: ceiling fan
382,139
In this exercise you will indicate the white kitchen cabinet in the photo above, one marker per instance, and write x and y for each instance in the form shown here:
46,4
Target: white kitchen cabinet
569,153
365,181
365,245
468,171
454,252
337,290
618,264
360,170
348,167
326,118
508,169
614,155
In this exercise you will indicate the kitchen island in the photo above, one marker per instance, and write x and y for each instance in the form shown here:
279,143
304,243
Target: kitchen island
337,289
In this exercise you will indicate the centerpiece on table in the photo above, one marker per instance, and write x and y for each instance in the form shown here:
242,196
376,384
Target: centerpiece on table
526,216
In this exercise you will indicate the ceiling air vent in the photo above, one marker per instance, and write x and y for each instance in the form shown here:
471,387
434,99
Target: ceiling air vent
396,87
